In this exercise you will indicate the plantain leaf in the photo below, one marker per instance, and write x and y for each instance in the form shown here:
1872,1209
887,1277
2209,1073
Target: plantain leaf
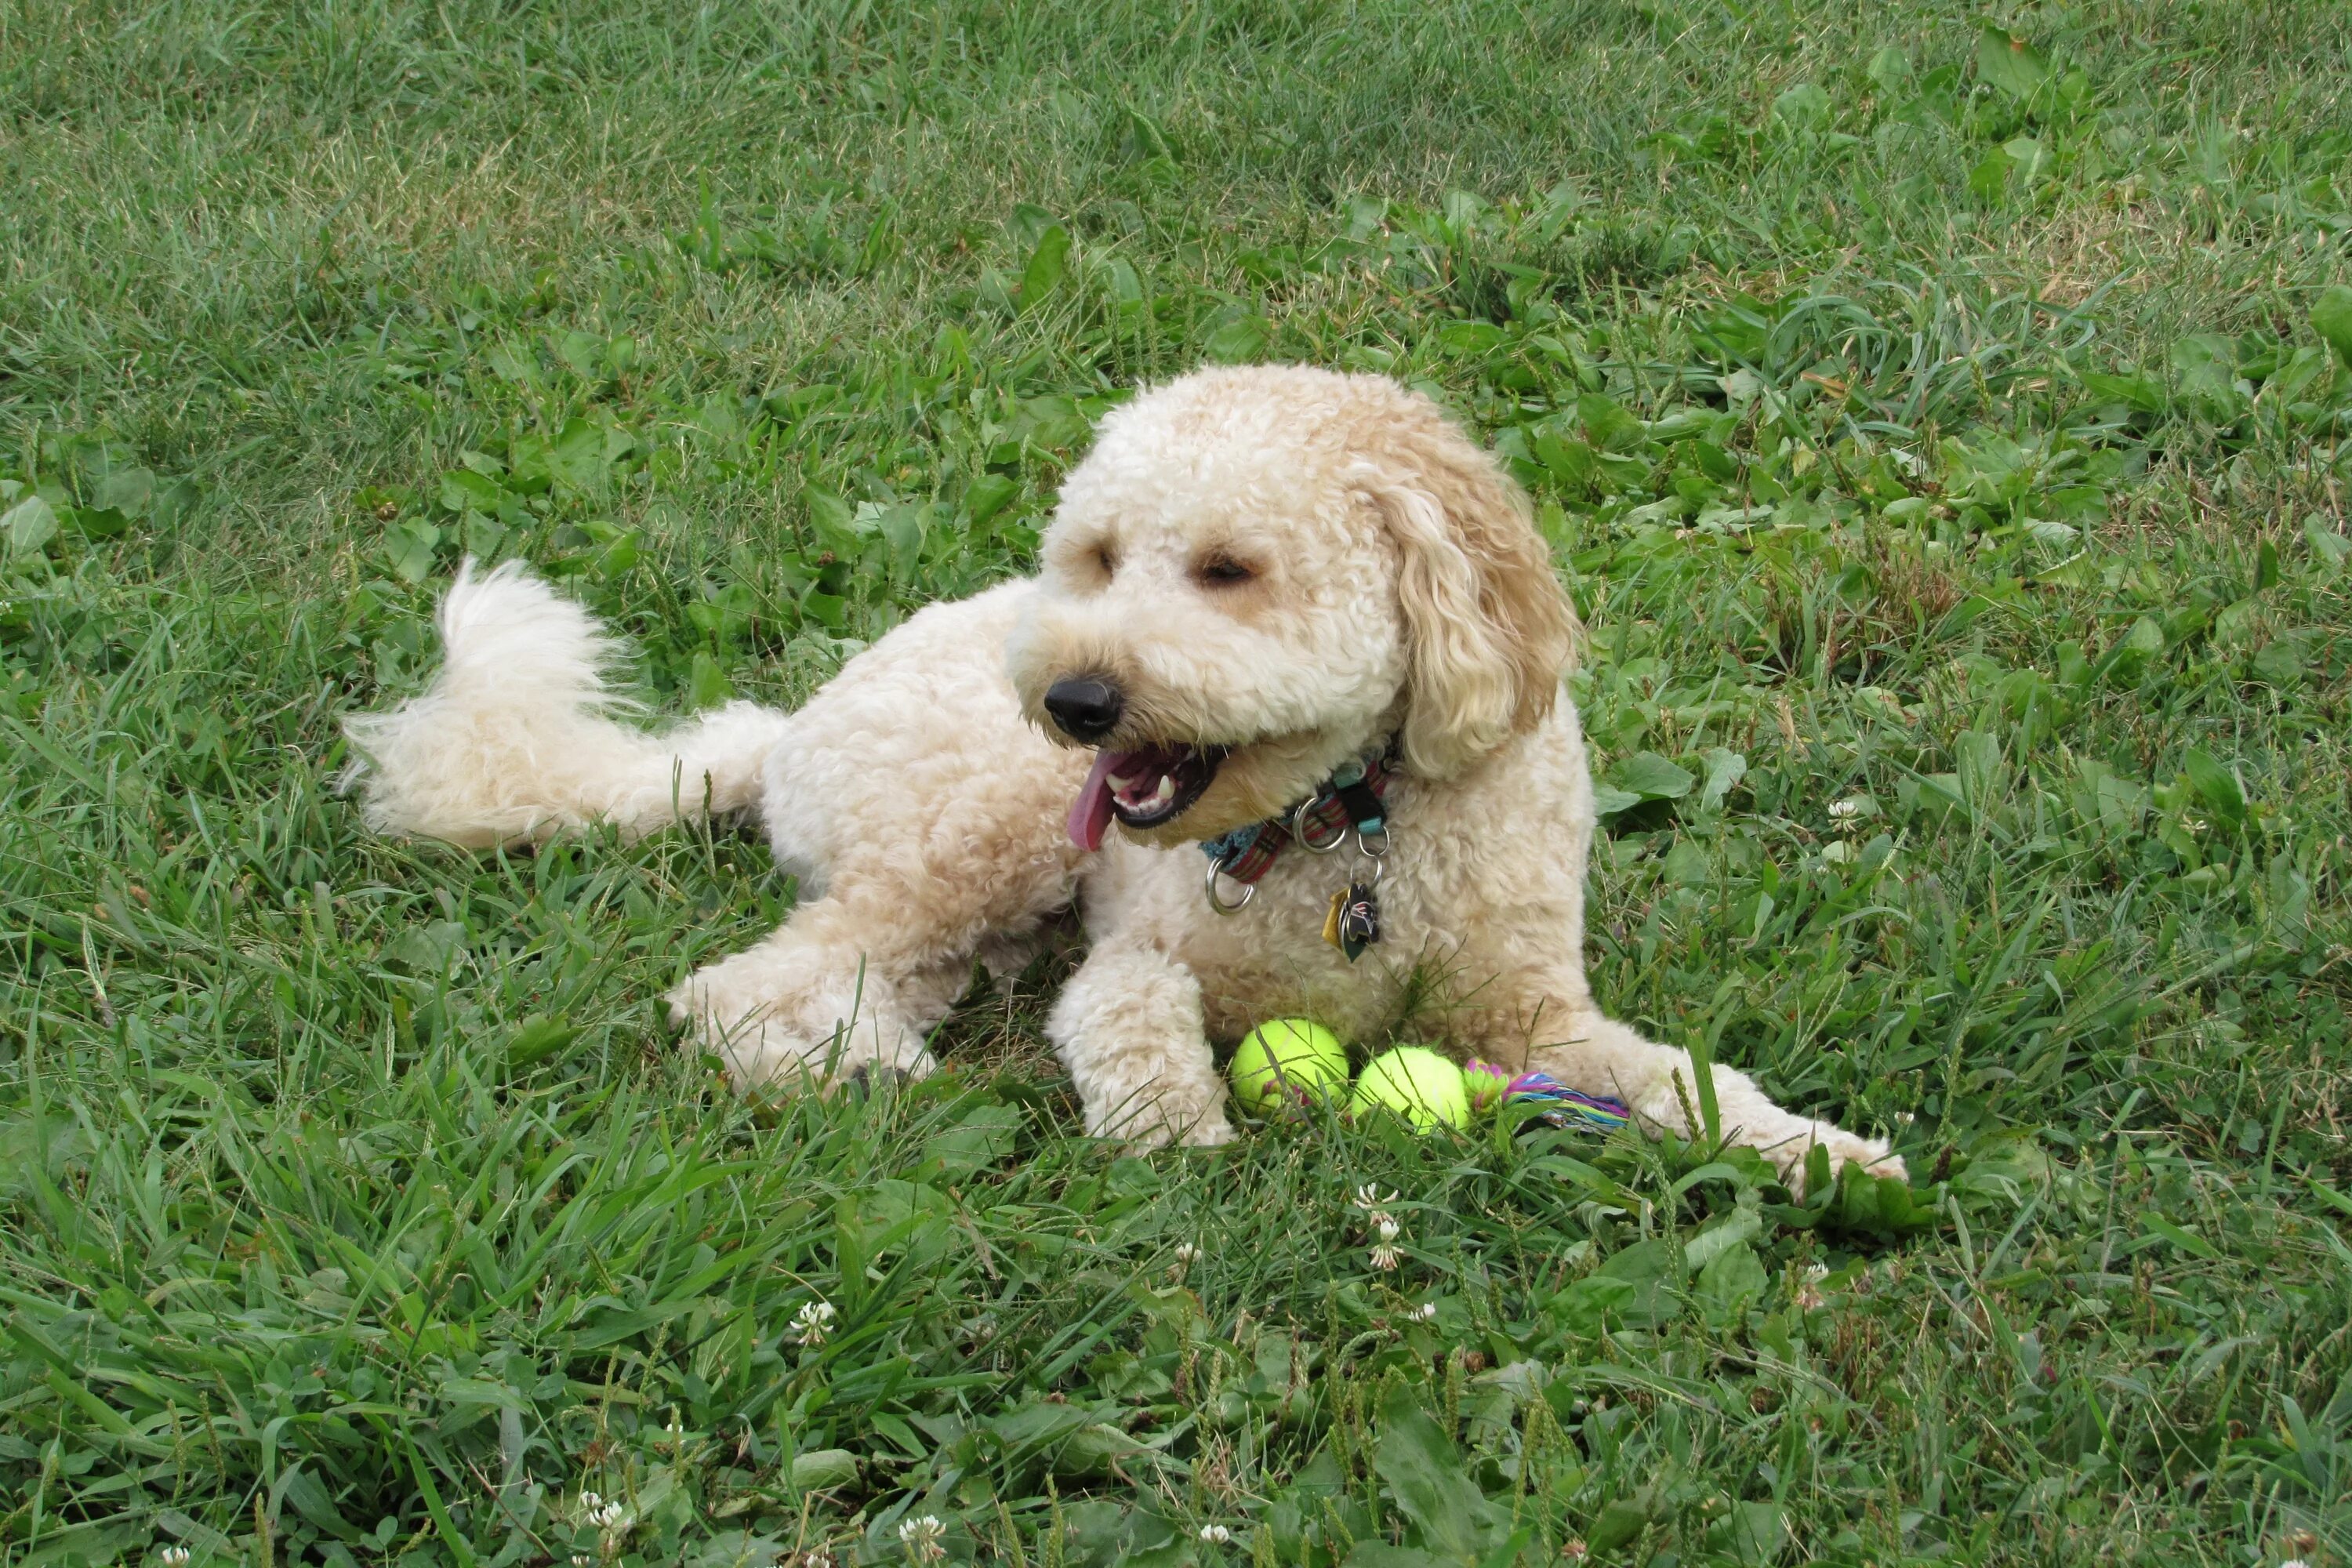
2010,63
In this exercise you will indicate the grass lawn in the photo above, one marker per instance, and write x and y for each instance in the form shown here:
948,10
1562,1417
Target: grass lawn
1944,429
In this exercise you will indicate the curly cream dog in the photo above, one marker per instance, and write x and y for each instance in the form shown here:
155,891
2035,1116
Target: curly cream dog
1258,578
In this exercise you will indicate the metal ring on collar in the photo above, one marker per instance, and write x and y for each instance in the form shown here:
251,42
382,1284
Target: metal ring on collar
1294,822
1249,891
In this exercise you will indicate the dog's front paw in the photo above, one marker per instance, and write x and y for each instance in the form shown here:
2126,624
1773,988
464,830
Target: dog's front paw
1211,1132
1169,1118
1845,1148
1204,1134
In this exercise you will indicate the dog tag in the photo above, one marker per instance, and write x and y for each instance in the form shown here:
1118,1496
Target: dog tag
1354,923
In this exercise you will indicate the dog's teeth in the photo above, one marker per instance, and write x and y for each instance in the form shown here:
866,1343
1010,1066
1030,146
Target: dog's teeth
1118,782
1165,793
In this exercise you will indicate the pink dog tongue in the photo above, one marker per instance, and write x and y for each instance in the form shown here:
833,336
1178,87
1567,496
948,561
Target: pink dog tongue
1090,813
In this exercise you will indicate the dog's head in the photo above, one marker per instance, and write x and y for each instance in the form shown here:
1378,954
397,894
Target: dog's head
1259,574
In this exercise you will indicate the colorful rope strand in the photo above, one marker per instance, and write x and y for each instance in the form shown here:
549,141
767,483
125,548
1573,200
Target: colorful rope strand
1564,1107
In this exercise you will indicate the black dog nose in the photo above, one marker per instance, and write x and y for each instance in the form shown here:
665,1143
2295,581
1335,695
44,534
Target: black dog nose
1085,710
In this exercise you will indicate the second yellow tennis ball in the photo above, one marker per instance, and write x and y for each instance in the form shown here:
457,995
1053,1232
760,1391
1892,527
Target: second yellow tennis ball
1286,1063
1416,1083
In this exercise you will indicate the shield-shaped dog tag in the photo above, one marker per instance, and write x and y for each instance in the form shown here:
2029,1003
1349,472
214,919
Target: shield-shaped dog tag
1355,922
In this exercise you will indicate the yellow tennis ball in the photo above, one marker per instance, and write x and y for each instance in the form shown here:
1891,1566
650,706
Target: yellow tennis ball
1416,1083
1286,1063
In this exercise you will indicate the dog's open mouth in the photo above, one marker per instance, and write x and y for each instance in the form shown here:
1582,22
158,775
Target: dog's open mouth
1142,788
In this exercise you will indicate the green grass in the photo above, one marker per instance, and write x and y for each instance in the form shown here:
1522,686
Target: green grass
1935,429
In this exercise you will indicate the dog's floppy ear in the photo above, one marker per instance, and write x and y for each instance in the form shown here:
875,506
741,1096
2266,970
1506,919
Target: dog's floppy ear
1488,630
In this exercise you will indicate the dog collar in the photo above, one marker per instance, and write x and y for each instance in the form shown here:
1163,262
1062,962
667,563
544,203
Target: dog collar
1349,804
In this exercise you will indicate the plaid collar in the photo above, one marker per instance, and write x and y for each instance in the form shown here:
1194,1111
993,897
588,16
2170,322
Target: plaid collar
1350,799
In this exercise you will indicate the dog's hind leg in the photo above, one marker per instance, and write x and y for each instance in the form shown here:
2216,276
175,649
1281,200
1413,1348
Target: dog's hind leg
927,815
858,976
816,998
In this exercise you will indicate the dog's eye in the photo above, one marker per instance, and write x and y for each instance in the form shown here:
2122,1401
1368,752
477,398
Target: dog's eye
1106,561
1222,571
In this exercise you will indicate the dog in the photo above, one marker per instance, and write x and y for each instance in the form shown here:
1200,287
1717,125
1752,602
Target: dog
1295,618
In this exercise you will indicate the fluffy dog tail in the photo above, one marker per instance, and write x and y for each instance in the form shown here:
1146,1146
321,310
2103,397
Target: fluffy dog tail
515,741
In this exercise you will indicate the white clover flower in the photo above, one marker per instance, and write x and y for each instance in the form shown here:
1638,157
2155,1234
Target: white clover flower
813,1322
1386,1227
1386,1256
1215,1534
174,1556
1905,1117
1424,1313
1845,813
1187,1252
2195,825
922,1537
1367,1196
581,1560
612,1518
590,1502
1808,1288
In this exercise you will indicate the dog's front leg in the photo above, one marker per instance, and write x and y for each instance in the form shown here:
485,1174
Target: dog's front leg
1129,1028
1658,1083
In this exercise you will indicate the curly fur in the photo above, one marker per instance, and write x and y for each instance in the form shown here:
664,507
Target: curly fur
1395,586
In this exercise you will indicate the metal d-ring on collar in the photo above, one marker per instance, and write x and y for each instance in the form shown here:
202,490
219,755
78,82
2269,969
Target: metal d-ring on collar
1249,891
1293,823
